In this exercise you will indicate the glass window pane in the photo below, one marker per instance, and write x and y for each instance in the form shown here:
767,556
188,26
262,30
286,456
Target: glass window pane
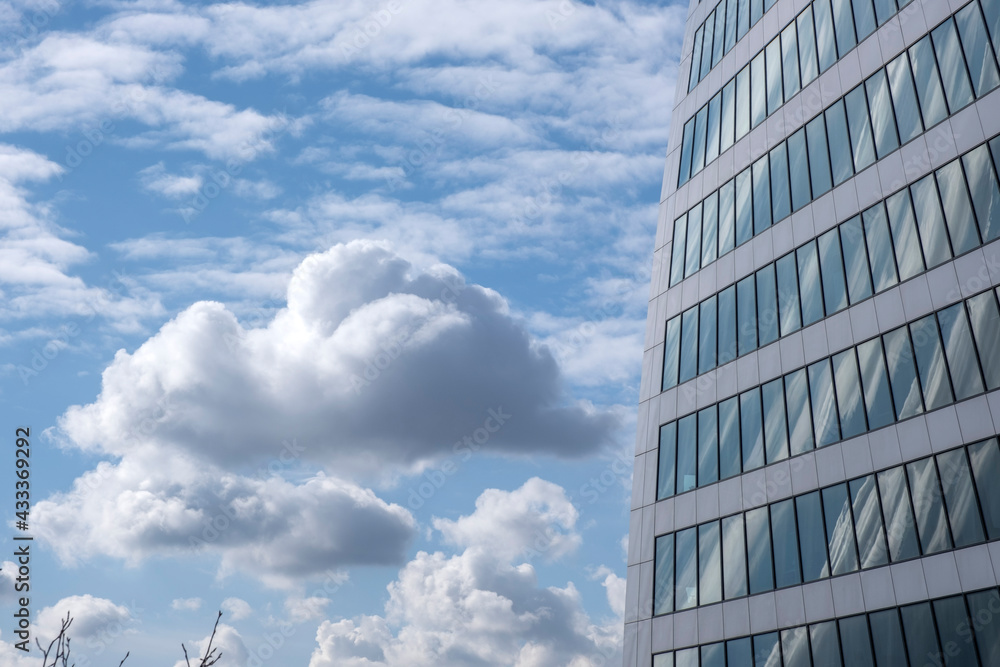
730,25
832,270
775,96
930,363
823,403
743,102
738,653
753,434
667,459
689,344
695,76
761,195
743,18
727,325
918,628
692,260
758,91
904,235
728,120
677,252
839,533
807,46
712,130
949,55
985,194
727,217
825,40
708,446
686,658
902,373
795,647
852,241
710,229
713,655
746,308
904,99
925,489
671,352
800,428
899,524
744,209
851,410
706,345
953,623
785,539
986,328
812,540
884,9
686,587
840,143
756,10
825,644
864,18
880,252
819,159
663,660
991,9
957,207
719,34
663,575
767,306
686,147
775,431
856,642
846,39
801,192
889,649
729,438
878,402
788,294
781,203
978,54
930,222
986,468
986,623
698,148
960,351
759,550
930,92
766,650
862,142
868,520
687,453
809,286
960,498
883,124
790,60
734,557
709,564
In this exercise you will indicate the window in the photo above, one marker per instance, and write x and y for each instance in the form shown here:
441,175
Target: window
902,373
728,121
852,240
986,468
775,433
743,23
750,418
667,459
904,99
719,34
698,150
883,118
957,208
687,453
671,352
743,102
960,351
713,655
978,55
744,212
712,137
868,519
957,87
983,605
801,193
689,344
953,623
788,294
842,17
832,270
746,304
986,329
800,427
862,143
825,644
825,40
823,403
918,627
807,46
929,88
879,248
727,325
663,586
730,25
925,489
985,194
686,584
727,217
812,541
878,402
930,221
734,557
849,403
809,285
708,446
739,653
785,539
677,251
856,642
889,649
767,306
686,147
758,91
864,17
729,438
693,255
790,60
960,497
795,647
706,329
840,143
839,533
766,650
884,9
710,229
899,515
775,96
686,658
709,563
699,37
930,363
781,203
819,158
759,550
761,195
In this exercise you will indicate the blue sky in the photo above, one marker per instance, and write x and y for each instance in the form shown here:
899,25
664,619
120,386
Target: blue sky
328,315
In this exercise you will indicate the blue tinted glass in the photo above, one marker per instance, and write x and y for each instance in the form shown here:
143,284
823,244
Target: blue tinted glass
832,270
902,373
719,39
708,446
667,459
884,9
928,506
772,55
930,221
819,159
671,352
978,54
930,363
823,403
985,459
788,294
960,498
904,235
729,438
686,147
710,229
846,40
889,649
781,203
868,521
918,628
746,308
727,217
883,120
825,644
899,522
812,540
663,660
730,24
991,8
712,136
849,404
795,647
904,99
734,557
983,606
758,91
756,10
689,344
875,382
809,285
767,306
766,650
743,18
986,329
738,653
862,142
693,79
790,60
713,655
839,534
800,430
761,195
880,253
686,658
985,194
751,431
759,550
677,252
706,330
785,540
775,431
864,17
928,80
709,563
698,147
692,261
840,143
801,192
825,41
852,241
856,642
957,207
949,55
686,573
807,46
706,47
728,117
727,325
744,208
663,575
743,102
687,453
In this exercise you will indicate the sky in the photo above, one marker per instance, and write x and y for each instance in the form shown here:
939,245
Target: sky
329,316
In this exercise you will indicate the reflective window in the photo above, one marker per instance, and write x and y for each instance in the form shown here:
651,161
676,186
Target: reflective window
918,628
880,251
686,146
744,212
785,536
819,159
775,432
929,89
709,229
800,430
766,650
677,252
727,325
842,17
992,11
949,55
985,194
709,563
761,195
840,143
953,623
743,102
752,440
839,533
729,438
686,584
712,138
930,363
713,655
790,60
746,304
889,649
825,644
728,120
719,38
730,25
930,221
902,373
689,344
759,550
856,642
984,606
825,40
801,194
978,55
708,447
693,255
849,403
706,331
663,660
883,120
823,403
957,207
686,658
809,286
772,54
852,241
781,203
671,352
739,653
743,21
687,453
986,329
884,9
663,587
667,458
812,540
868,520
758,91
864,18
788,294
960,498
928,506
734,557
727,217
795,647
767,306
862,143
832,270
898,515
756,10
807,46
696,58
878,402
960,351
698,149
904,99
986,468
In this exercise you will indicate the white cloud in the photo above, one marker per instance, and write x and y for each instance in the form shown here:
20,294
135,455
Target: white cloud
237,608
227,643
156,179
301,609
186,604
476,608
93,618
